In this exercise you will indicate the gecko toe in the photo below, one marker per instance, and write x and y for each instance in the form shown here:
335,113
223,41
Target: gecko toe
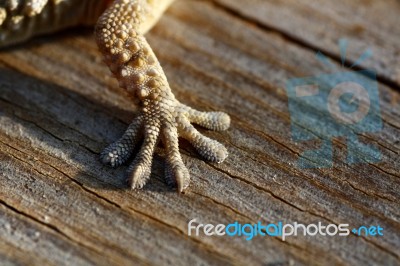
217,121
208,148
176,172
120,151
140,169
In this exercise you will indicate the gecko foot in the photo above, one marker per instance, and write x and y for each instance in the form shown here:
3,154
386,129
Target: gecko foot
166,125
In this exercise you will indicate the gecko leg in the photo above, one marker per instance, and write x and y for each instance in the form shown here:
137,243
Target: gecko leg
132,61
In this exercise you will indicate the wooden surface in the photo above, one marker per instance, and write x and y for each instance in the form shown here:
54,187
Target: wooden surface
59,107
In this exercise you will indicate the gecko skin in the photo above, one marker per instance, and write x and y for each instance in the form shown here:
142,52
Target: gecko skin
119,34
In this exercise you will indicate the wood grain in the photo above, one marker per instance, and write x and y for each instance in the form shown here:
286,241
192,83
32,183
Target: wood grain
59,107
321,24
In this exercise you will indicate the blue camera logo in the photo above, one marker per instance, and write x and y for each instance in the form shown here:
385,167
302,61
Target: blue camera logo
342,104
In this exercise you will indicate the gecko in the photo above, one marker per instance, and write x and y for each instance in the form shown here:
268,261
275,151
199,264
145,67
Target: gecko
119,28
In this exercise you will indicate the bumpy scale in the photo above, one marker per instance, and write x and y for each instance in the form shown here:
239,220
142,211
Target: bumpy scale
119,35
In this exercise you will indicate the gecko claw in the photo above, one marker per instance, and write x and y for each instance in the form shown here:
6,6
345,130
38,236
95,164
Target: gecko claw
182,178
178,177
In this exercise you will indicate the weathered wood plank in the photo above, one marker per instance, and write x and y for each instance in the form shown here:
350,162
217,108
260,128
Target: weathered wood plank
59,107
26,241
